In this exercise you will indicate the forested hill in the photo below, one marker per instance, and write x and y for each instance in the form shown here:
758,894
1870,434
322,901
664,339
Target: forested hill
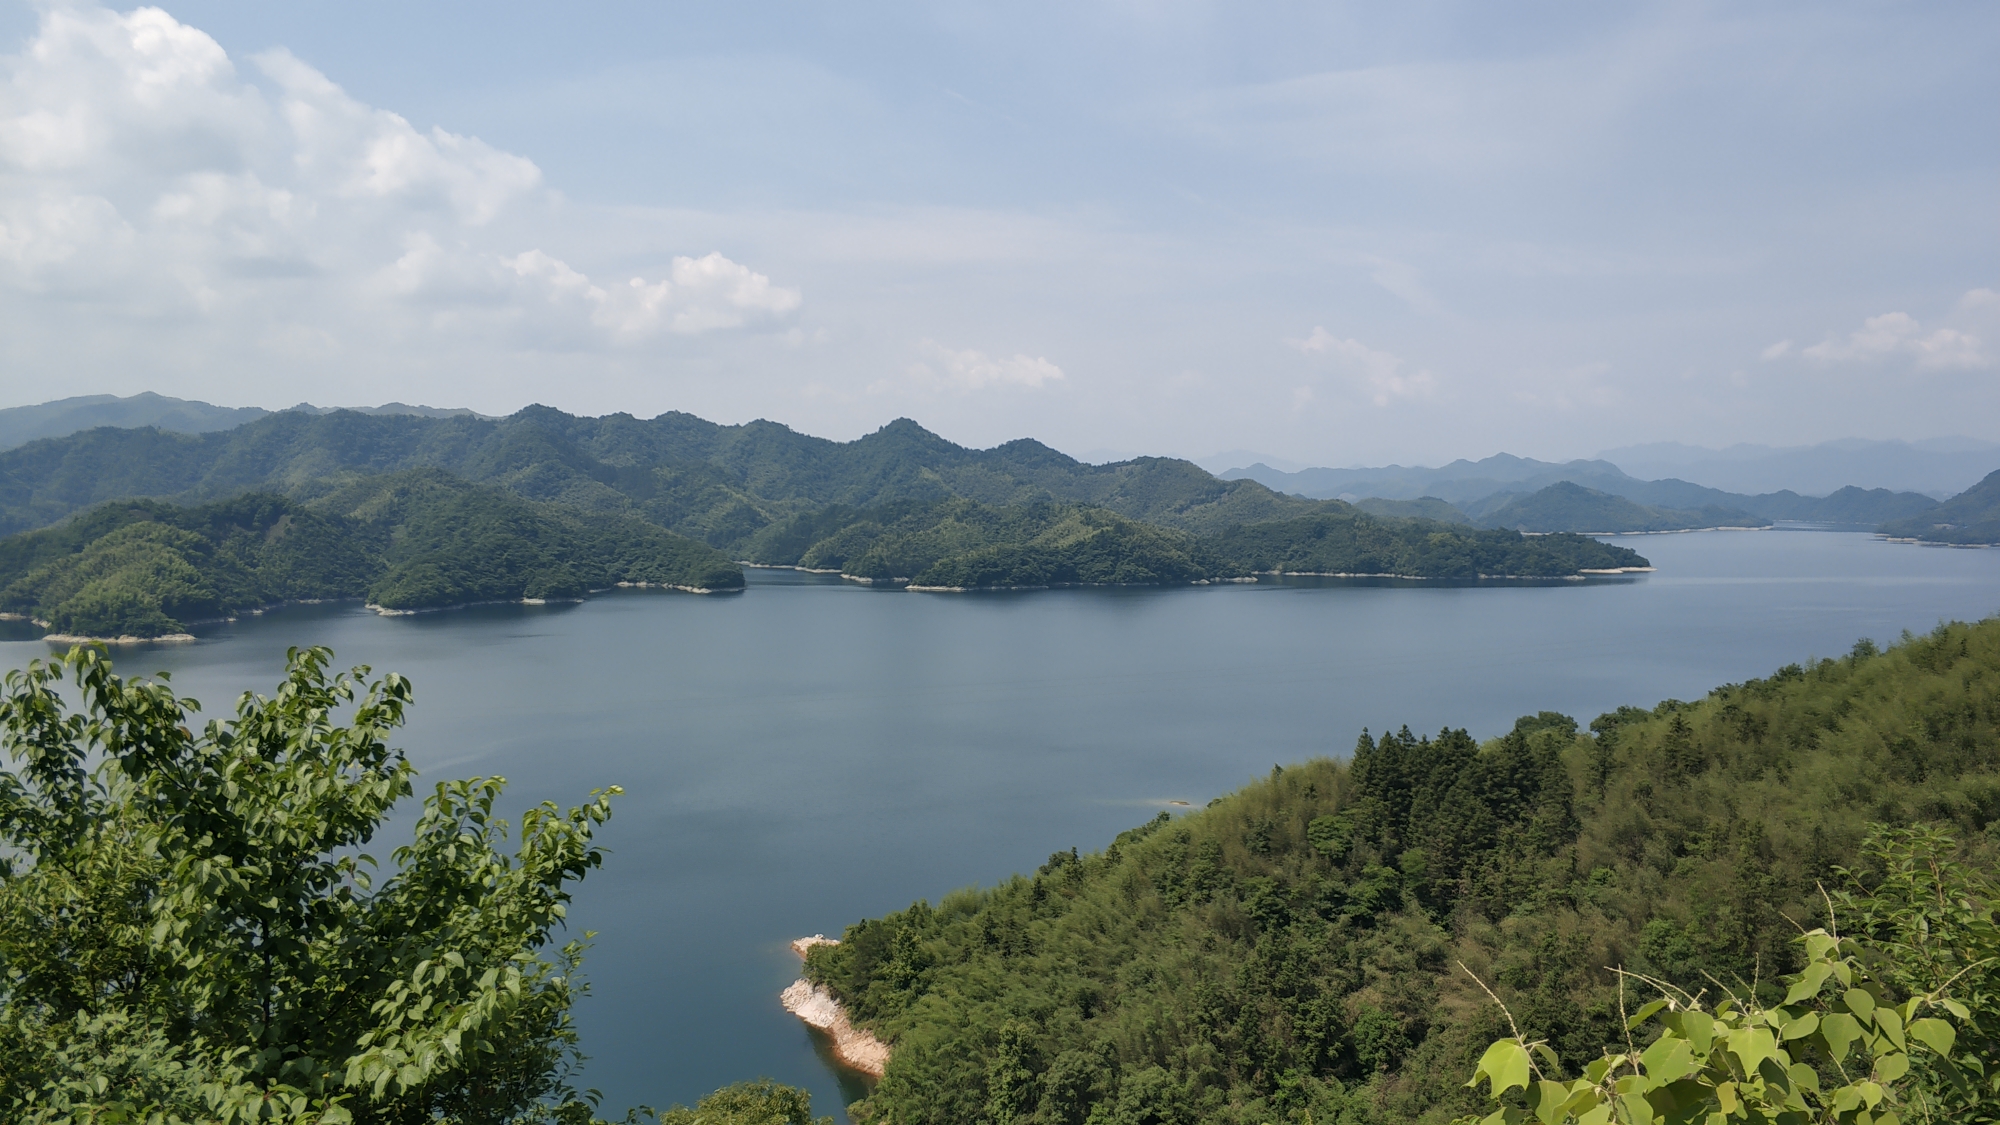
415,540
901,503
1971,518
1566,506
1290,953
711,482
961,545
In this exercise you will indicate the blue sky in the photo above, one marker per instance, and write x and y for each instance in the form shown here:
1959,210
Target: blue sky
1336,233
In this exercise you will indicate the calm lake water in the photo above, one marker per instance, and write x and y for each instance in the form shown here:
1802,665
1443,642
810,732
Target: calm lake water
811,752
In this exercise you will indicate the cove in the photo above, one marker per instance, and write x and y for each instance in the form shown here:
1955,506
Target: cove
812,751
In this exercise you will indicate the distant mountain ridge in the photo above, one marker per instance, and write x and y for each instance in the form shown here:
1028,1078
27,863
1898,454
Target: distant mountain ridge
1480,488
1970,519
899,506
1938,466
1567,506
62,417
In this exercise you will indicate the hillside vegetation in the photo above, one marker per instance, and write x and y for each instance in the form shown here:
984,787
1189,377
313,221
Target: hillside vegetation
1291,950
1566,506
964,545
719,484
407,541
1970,518
901,504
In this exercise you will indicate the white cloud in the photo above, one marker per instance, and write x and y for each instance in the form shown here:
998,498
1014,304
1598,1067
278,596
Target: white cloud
145,175
1899,335
970,370
1385,374
1776,351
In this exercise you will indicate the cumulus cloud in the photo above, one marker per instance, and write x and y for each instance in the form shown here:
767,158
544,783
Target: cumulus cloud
971,370
1385,375
1776,351
147,174
1898,335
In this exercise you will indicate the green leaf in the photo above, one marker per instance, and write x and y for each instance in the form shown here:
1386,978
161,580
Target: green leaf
1810,981
1669,1059
1643,1014
1801,1027
1752,1045
1936,1034
1839,1030
1550,1101
1504,1065
1860,1003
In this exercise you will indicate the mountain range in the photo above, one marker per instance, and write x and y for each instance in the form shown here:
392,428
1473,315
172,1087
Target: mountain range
1479,489
445,510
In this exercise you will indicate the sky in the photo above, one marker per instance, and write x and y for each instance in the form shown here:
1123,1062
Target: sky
1334,233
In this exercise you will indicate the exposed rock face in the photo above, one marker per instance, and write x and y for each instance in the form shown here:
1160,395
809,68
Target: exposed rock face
852,1046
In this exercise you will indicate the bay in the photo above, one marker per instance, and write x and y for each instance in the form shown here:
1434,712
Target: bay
811,752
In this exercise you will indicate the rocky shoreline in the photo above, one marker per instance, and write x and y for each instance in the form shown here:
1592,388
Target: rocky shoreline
853,1047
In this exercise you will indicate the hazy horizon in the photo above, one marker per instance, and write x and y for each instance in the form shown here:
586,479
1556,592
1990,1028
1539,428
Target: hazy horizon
1336,235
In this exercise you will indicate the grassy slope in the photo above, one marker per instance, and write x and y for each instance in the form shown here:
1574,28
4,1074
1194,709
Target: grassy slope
1291,948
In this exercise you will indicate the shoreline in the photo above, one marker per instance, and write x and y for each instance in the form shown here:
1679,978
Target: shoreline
854,1048
385,611
1666,531
74,639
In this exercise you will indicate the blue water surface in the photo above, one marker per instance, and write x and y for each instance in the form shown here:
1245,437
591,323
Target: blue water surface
811,752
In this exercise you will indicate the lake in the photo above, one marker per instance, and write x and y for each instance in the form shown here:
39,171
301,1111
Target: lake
811,751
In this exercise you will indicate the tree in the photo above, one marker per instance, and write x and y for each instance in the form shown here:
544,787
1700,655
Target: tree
1873,1031
190,932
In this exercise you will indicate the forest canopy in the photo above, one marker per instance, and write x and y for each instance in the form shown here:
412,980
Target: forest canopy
413,540
1292,949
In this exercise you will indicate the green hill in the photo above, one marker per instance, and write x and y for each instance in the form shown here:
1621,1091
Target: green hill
964,545
1854,507
1422,508
1567,506
414,540
1970,518
1343,540
1292,950
720,484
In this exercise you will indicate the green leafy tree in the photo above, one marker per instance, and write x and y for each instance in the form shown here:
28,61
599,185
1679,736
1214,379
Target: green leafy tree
1872,1031
1928,919
189,930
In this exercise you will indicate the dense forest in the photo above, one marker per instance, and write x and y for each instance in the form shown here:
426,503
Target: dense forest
1565,506
447,510
1972,518
961,544
414,540
719,484
1291,952
1347,541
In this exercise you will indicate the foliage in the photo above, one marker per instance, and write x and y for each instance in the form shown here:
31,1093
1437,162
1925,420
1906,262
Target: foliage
1794,1062
412,540
762,1102
961,544
1971,517
1288,951
719,484
1567,506
189,931
146,568
453,543
1929,920
1855,507
1343,540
